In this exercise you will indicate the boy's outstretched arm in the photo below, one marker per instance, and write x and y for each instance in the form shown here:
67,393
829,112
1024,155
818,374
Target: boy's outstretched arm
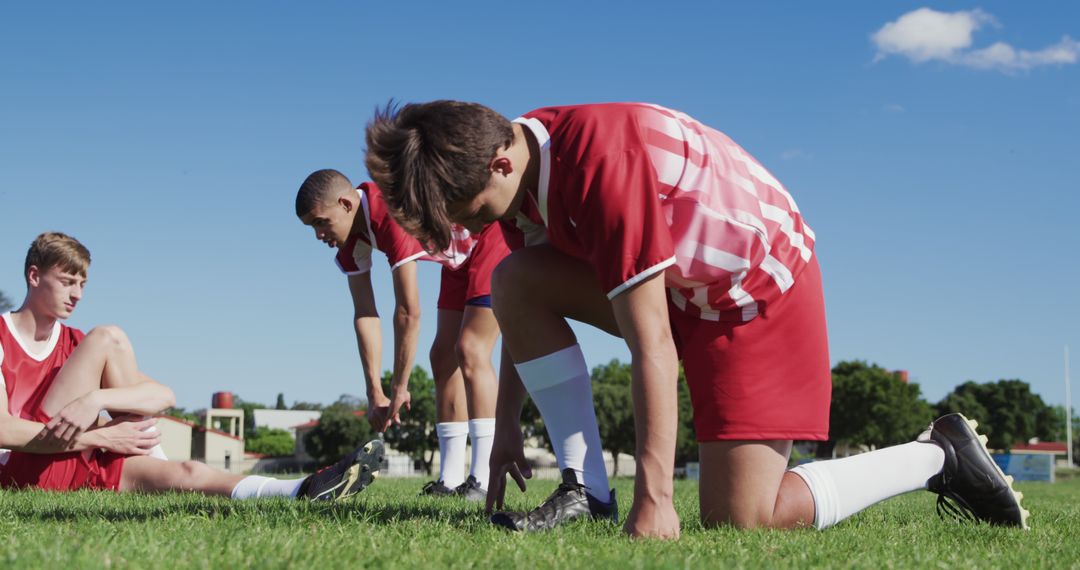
642,315
406,332
369,343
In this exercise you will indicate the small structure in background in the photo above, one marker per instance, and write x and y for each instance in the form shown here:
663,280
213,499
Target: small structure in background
176,437
1055,449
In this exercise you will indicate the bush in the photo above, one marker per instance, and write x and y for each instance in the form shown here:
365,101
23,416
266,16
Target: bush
273,442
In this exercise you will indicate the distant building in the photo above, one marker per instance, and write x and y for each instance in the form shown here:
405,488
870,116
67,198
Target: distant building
1057,449
285,419
176,437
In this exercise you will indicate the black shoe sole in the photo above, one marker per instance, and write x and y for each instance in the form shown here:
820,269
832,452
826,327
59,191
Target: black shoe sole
361,474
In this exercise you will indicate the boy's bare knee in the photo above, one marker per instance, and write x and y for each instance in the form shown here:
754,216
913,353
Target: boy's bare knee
192,473
112,335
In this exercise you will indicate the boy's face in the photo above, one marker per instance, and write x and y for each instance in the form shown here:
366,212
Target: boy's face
55,292
331,221
499,200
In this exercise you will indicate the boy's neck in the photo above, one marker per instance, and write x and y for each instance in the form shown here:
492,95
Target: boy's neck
525,143
31,324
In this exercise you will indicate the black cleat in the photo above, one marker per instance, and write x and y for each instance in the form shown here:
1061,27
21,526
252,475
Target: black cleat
971,486
569,502
352,474
437,489
470,490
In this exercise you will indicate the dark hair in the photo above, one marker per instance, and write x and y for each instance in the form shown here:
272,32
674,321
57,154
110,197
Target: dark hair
54,249
425,155
316,187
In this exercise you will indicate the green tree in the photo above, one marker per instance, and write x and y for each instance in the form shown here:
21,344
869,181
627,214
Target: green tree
310,406
5,303
183,414
340,431
280,405
416,436
269,441
871,406
1008,411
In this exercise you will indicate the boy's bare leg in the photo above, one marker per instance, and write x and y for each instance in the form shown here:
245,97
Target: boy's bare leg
475,344
104,359
746,484
451,409
476,341
146,474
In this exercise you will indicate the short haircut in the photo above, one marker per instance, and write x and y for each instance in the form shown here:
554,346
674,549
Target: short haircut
426,155
317,187
54,249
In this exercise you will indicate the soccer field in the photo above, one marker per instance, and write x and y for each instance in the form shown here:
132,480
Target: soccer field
389,526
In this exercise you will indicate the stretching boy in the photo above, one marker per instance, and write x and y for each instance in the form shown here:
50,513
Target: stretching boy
356,221
57,381
665,232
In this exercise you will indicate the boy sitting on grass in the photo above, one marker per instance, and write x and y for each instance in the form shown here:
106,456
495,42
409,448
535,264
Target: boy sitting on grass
57,381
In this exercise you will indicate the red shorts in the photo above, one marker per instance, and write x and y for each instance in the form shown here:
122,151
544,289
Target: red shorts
767,379
473,278
96,469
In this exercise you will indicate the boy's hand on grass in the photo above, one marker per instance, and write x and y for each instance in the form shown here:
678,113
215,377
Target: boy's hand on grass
507,458
652,519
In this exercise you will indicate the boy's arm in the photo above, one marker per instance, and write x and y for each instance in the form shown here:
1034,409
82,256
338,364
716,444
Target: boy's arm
368,343
33,437
642,315
406,332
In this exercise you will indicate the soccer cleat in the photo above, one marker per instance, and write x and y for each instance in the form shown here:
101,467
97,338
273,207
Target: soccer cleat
437,489
352,474
569,502
971,486
470,490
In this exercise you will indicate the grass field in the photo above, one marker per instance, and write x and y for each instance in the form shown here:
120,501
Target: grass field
389,526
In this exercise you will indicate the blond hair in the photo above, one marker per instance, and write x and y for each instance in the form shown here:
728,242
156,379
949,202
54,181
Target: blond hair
54,249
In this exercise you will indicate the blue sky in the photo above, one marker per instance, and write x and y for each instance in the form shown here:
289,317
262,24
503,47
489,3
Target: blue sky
934,152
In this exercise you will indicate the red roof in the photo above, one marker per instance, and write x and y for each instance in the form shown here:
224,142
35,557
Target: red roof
313,423
1043,446
219,432
178,420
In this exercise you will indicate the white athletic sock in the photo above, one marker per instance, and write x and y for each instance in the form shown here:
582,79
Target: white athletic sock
481,435
560,386
452,440
843,487
256,487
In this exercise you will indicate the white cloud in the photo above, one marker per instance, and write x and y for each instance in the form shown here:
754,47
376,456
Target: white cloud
928,35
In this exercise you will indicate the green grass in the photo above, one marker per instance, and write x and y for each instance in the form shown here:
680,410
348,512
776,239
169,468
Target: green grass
389,526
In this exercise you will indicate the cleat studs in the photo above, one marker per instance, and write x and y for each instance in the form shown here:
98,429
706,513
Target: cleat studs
1019,496
974,424
1009,479
374,475
983,439
367,448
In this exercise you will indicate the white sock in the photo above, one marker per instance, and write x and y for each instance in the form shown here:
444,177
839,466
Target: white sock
452,440
256,487
843,487
481,434
560,386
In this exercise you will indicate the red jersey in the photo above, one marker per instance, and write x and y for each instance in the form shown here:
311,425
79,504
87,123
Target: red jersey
636,189
381,232
26,375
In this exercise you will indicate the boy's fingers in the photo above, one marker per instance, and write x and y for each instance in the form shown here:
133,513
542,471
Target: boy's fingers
516,474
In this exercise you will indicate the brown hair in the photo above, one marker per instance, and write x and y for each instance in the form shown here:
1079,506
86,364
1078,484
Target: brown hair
54,249
425,155
316,187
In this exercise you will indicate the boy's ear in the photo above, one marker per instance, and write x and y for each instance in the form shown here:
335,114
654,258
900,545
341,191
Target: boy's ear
33,276
346,202
501,164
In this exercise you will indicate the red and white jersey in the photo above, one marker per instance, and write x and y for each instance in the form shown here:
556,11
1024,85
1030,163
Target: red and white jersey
635,189
27,375
381,232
